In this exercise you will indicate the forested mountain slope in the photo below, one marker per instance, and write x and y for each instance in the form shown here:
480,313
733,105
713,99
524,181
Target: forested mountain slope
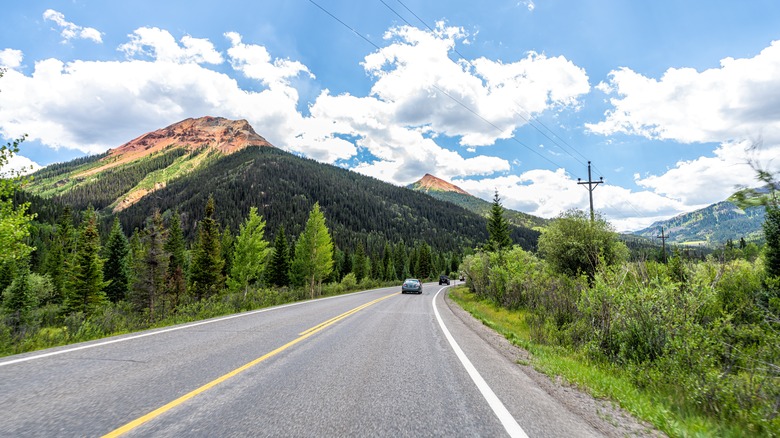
284,187
712,226
445,191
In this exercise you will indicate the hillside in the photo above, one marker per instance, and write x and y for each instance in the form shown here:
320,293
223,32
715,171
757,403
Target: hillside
711,226
179,170
442,190
122,176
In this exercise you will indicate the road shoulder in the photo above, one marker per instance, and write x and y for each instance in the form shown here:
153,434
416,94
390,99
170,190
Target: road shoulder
603,415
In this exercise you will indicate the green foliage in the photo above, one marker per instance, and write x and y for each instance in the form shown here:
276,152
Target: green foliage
497,226
359,263
575,245
701,336
14,219
359,208
206,271
279,267
250,254
149,290
177,263
423,266
85,287
314,252
116,271
108,186
772,249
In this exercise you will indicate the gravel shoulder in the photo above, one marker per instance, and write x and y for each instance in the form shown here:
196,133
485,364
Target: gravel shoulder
603,415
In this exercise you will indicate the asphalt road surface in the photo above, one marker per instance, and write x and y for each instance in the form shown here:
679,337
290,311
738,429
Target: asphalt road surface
374,363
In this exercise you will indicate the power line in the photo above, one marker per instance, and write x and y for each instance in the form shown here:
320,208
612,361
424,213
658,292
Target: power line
344,24
464,105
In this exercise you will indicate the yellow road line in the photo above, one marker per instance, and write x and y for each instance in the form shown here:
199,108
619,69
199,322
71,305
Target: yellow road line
159,411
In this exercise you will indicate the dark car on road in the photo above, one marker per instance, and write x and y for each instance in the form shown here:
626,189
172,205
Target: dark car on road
443,279
411,286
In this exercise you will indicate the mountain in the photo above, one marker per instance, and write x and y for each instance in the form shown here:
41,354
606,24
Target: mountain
178,167
711,226
442,190
124,175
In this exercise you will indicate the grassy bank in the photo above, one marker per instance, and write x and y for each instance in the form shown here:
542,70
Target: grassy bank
663,409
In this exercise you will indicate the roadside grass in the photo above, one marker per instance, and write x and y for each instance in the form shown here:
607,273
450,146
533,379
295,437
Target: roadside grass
119,318
661,408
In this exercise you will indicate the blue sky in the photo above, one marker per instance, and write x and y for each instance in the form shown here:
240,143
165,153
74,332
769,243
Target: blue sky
664,97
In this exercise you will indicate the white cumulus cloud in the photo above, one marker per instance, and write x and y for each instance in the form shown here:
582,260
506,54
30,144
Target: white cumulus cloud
160,45
69,30
11,58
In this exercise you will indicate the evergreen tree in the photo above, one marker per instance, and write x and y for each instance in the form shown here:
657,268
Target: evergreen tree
149,290
772,247
359,263
58,258
400,261
116,270
498,227
176,275
388,271
250,254
206,271
17,298
424,267
85,288
314,252
279,268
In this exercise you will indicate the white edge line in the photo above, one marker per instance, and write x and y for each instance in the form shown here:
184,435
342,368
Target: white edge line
172,329
507,420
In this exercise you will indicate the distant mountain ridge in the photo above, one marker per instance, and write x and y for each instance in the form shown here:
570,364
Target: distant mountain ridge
445,191
711,226
154,158
179,167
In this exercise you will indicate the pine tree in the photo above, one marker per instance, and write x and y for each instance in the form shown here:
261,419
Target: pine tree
424,266
772,247
58,258
149,289
314,252
400,261
85,288
359,263
279,268
176,275
206,271
250,254
17,298
498,227
116,269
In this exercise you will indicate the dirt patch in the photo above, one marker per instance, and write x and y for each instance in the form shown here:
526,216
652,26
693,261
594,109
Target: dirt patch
603,415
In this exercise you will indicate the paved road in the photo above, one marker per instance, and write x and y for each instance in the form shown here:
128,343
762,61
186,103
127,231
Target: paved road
374,363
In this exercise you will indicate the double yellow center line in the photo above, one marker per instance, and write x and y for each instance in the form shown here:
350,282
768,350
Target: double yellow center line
301,336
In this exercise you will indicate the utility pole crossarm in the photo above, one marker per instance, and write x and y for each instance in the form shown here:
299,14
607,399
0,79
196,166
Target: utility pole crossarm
591,186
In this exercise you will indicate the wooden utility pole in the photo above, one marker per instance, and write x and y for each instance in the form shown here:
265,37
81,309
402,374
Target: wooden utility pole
591,186
663,238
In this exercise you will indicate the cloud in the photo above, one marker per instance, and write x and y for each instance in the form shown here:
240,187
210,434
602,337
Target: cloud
418,96
739,99
160,45
70,30
11,58
728,105
478,101
548,193
706,180
95,105
18,165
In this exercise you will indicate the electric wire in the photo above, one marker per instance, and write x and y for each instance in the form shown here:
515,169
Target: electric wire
355,32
